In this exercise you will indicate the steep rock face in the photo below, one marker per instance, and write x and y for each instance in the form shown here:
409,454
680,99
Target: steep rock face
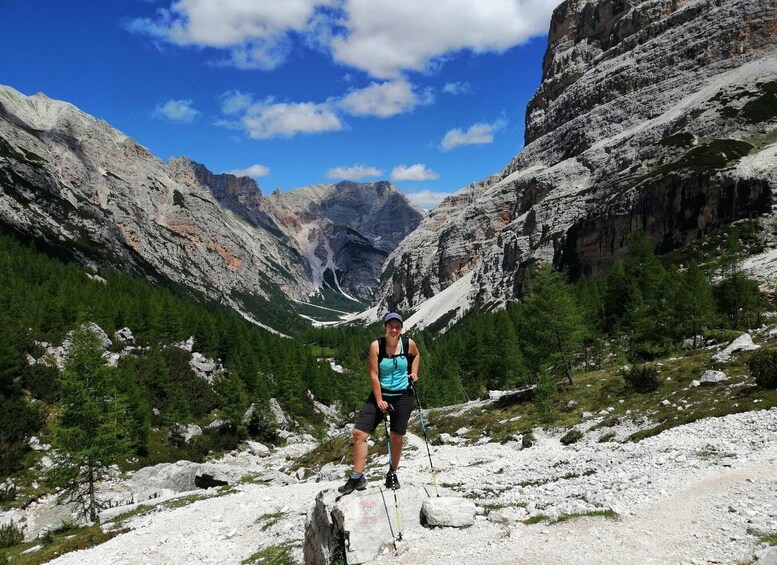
241,195
346,230
77,184
74,183
656,115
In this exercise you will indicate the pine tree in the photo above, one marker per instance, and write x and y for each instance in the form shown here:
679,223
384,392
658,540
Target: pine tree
694,303
736,294
91,433
551,324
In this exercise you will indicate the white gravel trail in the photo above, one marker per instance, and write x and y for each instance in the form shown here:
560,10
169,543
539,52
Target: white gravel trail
695,494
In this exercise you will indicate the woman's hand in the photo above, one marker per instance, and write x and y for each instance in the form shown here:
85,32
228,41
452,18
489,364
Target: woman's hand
412,376
383,405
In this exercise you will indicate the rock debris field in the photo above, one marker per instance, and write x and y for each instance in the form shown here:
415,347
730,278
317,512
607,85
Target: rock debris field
701,493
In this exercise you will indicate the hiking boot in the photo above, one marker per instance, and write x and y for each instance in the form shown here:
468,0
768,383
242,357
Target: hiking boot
392,481
352,485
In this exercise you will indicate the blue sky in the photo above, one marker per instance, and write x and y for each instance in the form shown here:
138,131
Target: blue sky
429,94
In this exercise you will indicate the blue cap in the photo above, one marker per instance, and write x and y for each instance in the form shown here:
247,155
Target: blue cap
392,316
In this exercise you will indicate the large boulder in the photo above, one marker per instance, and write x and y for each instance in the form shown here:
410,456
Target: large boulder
356,526
449,511
743,343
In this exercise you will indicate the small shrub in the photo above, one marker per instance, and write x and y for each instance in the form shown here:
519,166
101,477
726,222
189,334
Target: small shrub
572,436
609,436
10,535
641,379
47,538
65,527
7,492
763,367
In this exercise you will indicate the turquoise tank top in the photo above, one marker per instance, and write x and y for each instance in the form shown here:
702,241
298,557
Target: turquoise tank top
392,373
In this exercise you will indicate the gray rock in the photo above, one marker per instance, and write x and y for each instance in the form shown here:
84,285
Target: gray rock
331,472
280,418
742,343
711,377
449,511
767,556
360,520
259,449
124,336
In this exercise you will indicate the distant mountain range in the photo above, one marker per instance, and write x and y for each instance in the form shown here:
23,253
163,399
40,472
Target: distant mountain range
76,185
652,115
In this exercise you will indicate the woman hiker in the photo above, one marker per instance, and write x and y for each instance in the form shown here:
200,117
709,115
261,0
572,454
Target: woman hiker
393,360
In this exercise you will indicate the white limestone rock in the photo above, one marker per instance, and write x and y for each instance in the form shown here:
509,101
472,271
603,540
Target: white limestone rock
712,377
742,343
124,336
258,449
451,511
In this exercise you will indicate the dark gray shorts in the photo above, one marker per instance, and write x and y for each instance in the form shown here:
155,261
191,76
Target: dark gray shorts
371,415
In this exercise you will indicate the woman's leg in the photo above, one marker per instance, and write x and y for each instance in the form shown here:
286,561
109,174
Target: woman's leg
359,450
396,441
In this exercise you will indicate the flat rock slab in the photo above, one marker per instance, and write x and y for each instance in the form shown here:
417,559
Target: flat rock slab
449,511
357,525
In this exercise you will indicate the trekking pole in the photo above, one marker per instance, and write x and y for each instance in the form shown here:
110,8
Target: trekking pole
426,439
388,517
396,502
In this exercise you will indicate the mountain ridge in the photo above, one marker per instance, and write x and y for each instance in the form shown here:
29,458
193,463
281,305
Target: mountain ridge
601,161
73,182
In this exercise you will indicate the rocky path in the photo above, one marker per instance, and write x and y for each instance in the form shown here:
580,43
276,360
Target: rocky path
696,494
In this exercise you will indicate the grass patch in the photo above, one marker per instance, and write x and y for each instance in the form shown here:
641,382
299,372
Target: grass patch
58,543
270,519
332,450
273,555
608,513
770,539
539,518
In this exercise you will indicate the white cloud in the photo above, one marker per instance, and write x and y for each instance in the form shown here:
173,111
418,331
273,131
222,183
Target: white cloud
256,34
426,199
357,172
386,37
265,120
177,111
457,88
234,102
385,99
382,37
252,171
479,133
415,172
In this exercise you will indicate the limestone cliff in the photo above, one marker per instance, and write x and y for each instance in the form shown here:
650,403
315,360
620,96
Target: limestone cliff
76,185
658,115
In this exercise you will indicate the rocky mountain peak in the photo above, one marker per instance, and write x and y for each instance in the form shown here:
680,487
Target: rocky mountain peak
655,115
74,183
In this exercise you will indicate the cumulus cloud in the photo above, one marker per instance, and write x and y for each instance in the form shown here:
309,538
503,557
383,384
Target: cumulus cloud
234,102
252,171
415,172
381,37
265,120
255,34
356,172
177,111
386,37
385,99
426,199
457,88
479,133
